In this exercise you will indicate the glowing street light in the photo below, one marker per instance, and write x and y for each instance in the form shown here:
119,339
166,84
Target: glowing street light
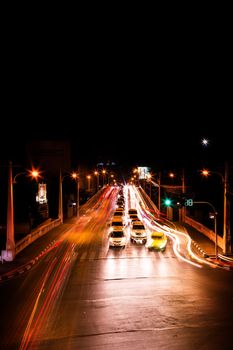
60,206
103,173
215,224
88,183
182,209
226,213
10,241
96,173
76,177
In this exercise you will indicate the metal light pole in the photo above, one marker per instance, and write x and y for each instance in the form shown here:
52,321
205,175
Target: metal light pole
88,183
226,208
76,177
97,180
77,197
159,191
103,173
215,225
60,210
183,209
10,241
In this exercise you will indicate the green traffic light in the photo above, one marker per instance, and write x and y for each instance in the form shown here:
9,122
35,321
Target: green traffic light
167,202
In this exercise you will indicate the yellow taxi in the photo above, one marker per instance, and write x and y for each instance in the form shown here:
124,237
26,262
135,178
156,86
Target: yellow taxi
157,241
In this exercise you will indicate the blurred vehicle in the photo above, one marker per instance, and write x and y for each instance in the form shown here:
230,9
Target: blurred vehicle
116,223
119,208
117,238
133,217
118,213
132,211
158,241
138,233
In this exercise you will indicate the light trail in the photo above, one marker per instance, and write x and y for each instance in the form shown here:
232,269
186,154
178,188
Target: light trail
174,234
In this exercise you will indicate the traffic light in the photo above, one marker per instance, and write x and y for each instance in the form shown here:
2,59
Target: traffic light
167,202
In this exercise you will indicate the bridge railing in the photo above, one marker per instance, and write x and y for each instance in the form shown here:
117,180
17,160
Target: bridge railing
35,234
203,229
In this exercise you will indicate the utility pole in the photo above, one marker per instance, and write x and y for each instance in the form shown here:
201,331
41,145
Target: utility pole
159,192
215,224
10,242
226,214
183,209
60,210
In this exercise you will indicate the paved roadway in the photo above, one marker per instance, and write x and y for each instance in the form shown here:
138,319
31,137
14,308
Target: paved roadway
79,294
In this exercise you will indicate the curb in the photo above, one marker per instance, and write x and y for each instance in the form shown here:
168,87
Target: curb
196,245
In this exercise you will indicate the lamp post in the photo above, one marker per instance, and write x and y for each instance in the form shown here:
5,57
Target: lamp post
182,209
76,177
103,173
159,191
88,183
226,204
10,240
97,180
215,224
60,206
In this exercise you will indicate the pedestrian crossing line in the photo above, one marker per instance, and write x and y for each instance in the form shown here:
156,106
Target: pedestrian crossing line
122,254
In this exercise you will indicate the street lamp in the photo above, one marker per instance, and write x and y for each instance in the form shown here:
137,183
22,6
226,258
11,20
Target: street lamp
10,241
215,224
103,173
96,173
61,178
182,209
226,213
76,177
88,183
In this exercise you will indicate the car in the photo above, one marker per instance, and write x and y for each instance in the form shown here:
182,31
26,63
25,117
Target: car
117,223
133,217
132,211
117,238
158,241
119,213
138,233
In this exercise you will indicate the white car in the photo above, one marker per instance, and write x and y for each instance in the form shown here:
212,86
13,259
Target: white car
138,233
117,238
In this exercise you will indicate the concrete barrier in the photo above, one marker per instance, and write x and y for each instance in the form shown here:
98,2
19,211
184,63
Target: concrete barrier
38,232
35,234
203,229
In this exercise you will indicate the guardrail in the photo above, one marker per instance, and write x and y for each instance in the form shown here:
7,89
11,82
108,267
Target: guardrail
35,234
203,229
31,237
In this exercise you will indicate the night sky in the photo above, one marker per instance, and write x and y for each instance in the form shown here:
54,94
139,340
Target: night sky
118,97
135,98
137,130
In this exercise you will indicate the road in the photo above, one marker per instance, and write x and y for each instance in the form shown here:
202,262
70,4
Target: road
83,295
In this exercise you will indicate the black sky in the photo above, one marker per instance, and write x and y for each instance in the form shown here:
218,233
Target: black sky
123,97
